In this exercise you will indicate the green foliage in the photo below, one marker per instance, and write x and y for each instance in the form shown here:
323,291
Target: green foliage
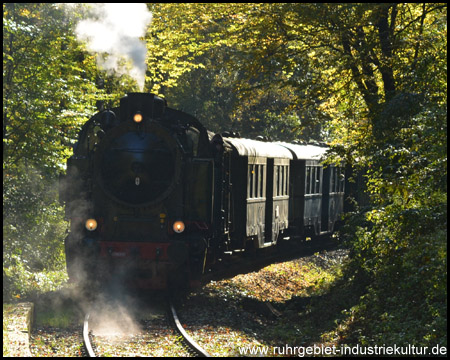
406,302
33,218
44,87
400,244
209,64
49,90
21,281
33,230
40,116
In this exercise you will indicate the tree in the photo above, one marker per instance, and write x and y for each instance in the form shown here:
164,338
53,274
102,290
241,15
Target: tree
49,90
373,78
346,62
203,58
45,91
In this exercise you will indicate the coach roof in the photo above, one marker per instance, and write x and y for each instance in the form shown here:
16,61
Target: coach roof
305,152
254,148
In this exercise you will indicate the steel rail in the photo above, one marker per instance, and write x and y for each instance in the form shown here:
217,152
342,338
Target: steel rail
87,341
189,340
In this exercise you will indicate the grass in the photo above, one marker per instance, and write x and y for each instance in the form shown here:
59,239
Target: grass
312,294
315,311
57,318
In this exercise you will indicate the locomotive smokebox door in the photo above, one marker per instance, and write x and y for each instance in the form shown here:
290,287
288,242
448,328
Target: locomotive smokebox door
149,105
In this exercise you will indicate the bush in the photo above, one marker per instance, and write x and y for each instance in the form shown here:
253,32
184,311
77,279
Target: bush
404,252
33,232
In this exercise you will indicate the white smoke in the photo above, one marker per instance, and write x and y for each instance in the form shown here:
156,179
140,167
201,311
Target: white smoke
116,29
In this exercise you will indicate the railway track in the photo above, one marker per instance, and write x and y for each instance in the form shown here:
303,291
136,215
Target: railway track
173,320
86,337
186,337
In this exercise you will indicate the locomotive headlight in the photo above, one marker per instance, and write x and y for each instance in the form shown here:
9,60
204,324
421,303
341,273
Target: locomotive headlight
137,118
91,224
178,227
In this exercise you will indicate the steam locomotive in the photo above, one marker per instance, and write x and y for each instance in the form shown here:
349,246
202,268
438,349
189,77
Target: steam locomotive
153,198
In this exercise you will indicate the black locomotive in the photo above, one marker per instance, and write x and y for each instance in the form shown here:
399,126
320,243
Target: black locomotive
154,198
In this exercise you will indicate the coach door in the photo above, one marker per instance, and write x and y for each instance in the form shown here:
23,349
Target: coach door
269,204
256,201
313,196
277,198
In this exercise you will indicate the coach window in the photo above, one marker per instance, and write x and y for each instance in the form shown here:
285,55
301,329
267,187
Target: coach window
308,179
279,183
341,180
250,181
332,179
313,179
261,177
255,174
255,181
280,180
277,180
337,179
261,180
318,173
257,185
286,180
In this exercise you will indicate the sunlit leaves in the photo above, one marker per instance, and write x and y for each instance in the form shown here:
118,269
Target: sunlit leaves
41,81
48,89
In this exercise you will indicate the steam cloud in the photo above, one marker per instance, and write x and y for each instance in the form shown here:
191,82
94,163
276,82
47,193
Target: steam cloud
116,29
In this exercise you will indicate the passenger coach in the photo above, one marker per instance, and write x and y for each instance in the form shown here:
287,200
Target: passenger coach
260,178
317,196
280,189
